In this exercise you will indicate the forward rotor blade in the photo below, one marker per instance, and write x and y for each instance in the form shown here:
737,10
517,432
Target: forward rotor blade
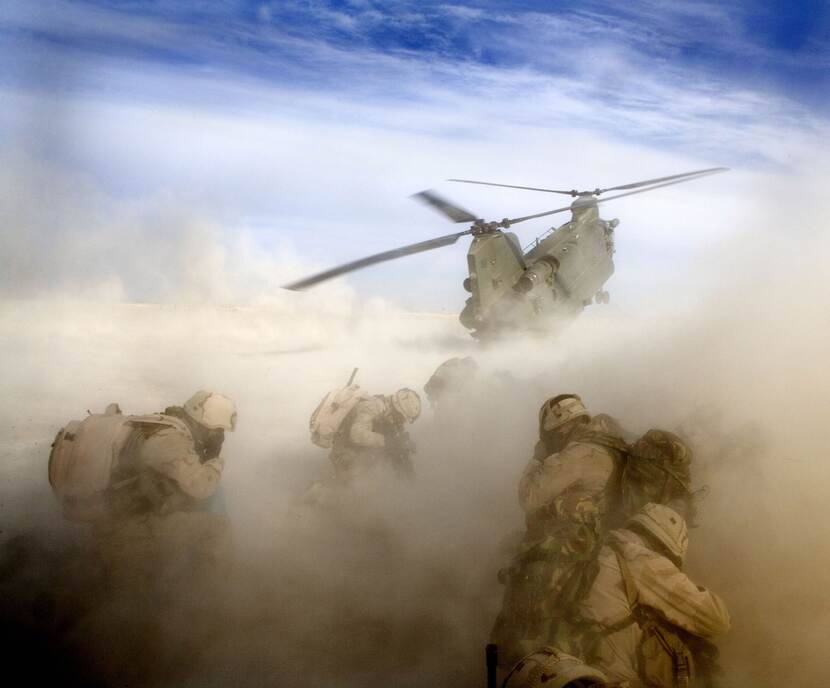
649,182
700,174
573,192
442,205
420,247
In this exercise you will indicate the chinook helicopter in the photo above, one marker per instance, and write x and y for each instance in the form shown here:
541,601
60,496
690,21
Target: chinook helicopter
556,276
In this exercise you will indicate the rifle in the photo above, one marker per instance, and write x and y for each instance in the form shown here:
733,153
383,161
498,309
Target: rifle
399,449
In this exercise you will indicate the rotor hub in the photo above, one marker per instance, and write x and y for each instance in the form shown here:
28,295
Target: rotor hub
480,227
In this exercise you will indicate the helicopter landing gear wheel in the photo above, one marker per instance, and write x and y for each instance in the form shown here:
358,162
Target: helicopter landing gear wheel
602,297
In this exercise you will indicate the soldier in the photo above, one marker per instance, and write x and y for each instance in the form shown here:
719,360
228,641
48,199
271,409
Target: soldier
150,519
373,433
567,493
449,380
644,621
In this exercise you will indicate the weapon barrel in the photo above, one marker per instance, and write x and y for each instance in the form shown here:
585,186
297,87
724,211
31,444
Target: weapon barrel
351,379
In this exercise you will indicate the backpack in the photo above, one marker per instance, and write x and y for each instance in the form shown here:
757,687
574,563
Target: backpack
86,452
330,413
656,469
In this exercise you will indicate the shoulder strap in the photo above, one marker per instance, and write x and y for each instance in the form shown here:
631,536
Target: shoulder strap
628,581
595,632
143,427
158,420
602,438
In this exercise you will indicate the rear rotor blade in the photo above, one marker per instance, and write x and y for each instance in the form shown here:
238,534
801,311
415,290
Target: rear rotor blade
442,205
516,220
700,174
572,192
377,258
649,182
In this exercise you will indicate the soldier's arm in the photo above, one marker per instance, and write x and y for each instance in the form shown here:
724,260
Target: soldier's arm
665,588
545,480
172,454
361,432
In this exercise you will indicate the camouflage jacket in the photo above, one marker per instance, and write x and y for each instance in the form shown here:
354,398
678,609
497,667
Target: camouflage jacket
369,438
362,426
578,483
165,473
612,641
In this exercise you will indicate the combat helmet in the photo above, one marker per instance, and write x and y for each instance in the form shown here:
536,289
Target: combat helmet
407,402
658,470
211,410
561,409
552,668
665,525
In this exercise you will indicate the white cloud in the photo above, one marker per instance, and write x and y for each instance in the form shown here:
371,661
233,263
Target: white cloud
321,170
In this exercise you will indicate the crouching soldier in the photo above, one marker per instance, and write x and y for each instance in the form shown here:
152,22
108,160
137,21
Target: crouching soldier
145,483
644,621
374,434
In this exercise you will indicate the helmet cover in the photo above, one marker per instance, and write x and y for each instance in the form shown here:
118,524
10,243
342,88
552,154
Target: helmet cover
665,525
211,410
552,668
558,410
407,402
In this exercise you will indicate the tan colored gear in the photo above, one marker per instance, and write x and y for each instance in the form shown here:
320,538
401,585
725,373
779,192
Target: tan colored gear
667,450
211,410
553,668
558,410
407,402
666,525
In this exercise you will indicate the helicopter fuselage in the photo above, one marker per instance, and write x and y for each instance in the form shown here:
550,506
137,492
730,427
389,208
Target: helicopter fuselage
555,278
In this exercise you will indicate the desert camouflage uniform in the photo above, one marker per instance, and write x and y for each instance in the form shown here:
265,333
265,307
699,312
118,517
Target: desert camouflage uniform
567,499
360,445
157,527
612,642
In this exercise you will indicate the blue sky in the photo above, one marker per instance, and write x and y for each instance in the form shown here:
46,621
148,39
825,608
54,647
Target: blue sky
303,126
779,45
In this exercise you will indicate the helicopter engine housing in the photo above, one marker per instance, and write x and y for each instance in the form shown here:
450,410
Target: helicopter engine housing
540,272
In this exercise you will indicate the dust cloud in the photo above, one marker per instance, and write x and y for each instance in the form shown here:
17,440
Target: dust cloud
399,588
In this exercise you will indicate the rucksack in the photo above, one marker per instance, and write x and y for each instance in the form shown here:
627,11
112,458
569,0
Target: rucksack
85,453
656,469
330,413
